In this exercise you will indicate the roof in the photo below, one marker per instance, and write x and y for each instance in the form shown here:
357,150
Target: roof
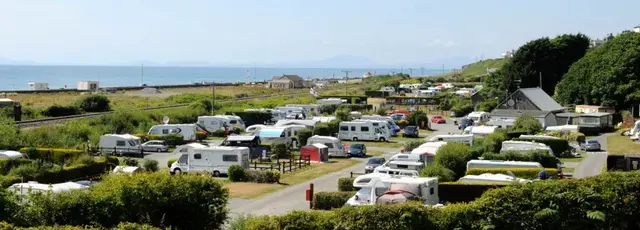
6,100
491,178
271,132
289,77
593,106
11,154
596,114
540,99
517,113
501,162
567,115
126,169
296,122
240,138
320,146
124,136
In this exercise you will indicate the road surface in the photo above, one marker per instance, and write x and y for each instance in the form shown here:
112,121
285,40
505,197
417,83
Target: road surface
593,163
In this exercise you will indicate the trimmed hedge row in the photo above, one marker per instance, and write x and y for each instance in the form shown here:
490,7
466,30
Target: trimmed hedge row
57,156
121,226
376,93
69,173
7,164
331,109
238,174
558,146
330,200
541,156
520,173
346,184
455,192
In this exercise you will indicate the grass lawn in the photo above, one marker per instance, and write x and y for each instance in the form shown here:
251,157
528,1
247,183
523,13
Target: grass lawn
376,144
568,170
374,153
253,190
573,159
618,145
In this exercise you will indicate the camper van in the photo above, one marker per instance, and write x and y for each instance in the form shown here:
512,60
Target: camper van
362,130
488,178
484,164
464,138
269,135
333,144
188,131
120,144
479,117
480,130
386,126
374,187
388,119
524,146
292,110
309,109
214,160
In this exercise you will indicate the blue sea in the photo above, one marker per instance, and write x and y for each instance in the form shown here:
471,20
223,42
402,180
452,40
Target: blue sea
18,77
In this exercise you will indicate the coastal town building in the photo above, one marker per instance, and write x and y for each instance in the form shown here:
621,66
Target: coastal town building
286,82
88,85
530,101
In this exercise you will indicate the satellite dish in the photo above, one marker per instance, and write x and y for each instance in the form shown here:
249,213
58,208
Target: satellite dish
511,102
165,120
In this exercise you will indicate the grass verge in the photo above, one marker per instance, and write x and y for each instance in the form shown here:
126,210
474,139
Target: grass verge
619,145
573,159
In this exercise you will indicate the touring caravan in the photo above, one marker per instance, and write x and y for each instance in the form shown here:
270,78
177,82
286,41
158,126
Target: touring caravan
214,160
188,131
120,144
361,130
479,117
402,164
562,128
32,187
292,110
523,146
464,138
269,135
293,132
488,178
323,119
426,152
333,144
426,93
396,172
8,154
213,123
375,189
484,164
480,130
308,123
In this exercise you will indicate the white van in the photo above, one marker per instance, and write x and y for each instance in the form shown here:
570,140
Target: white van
480,116
333,144
480,130
464,138
214,160
269,135
484,164
120,144
523,146
188,131
386,127
361,130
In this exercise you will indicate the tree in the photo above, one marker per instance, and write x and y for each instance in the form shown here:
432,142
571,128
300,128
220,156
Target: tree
411,145
436,170
8,134
417,117
94,103
454,156
528,124
303,136
343,115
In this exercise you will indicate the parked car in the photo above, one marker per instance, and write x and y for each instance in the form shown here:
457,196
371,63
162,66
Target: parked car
155,146
590,145
373,163
411,131
358,149
398,116
464,123
438,119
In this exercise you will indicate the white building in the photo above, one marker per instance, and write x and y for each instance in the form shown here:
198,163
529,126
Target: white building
636,29
88,85
38,86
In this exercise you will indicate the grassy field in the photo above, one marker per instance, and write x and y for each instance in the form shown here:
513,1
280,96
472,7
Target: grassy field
573,159
253,190
477,68
618,145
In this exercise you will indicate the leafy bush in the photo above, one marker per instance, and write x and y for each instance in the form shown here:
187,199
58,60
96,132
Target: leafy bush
201,135
219,133
171,139
526,173
417,117
569,136
57,156
454,156
376,93
237,173
150,165
94,103
403,123
463,107
7,164
343,115
487,106
27,170
411,145
280,149
527,123
346,184
304,135
253,117
60,110
170,162
543,157
266,176
454,192
73,172
493,142
559,147
436,170
330,200
129,162
381,111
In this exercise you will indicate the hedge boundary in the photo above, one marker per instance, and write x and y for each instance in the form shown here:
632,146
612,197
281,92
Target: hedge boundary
99,167
345,184
330,200
525,173
54,155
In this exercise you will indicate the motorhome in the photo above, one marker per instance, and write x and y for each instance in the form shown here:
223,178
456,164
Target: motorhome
635,128
253,129
269,135
479,117
435,89
523,146
32,187
8,154
333,144
386,126
480,130
188,131
402,164
331,101
395,172
488,178
214,160
120,144
292,110
484,164
361,130
464,138
309,109
234,120
382,189
388,119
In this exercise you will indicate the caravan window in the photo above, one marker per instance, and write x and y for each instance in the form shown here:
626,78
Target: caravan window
230,158
165,131
197,156
364,129
402,166
184,150
431,191
120,143
344,128
132,143
183,158
353,128
375,124
233,122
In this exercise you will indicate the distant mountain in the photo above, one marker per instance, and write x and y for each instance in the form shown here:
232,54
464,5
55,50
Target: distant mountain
342,61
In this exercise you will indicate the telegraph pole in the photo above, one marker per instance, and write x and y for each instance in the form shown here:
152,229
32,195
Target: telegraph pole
346,83
410,72
213,96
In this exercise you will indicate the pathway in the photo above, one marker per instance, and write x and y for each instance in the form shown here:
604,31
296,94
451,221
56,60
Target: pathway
593,163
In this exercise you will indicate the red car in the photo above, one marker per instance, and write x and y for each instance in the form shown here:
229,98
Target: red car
438,119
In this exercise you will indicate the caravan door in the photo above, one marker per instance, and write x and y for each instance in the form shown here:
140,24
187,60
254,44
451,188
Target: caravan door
366,133
198,162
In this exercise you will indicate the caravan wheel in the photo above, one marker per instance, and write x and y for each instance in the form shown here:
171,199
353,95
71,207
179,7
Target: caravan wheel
355,139
382,139
177,171
216,174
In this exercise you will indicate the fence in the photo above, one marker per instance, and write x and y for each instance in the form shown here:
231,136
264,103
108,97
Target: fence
352,174
282,165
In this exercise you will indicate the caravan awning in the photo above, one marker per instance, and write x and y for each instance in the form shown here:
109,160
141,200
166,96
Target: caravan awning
271,132
241,138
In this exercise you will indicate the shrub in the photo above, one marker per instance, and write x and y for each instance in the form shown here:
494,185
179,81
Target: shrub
526,173
454,192
27,170
75,172
417,117
343,115
376,94
543,157
266,176
237,173
493,142
454,156
94,103
57,156
528,124
171,139
170,162
280,149
253,117
558,146
436,170
129,162
381,111
60,110
150,165
330,200
403,123
462,108
201,135
219,133
411,145
346,184
7,164
487,106
303,135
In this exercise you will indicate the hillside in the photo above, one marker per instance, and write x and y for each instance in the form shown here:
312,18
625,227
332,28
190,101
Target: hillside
473,71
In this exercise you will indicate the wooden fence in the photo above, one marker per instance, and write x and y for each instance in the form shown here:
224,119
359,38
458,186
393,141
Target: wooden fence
282,165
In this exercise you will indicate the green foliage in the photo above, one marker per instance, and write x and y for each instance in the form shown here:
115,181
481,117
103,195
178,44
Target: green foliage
343,115
454,156
253,117
376,93
330,200
150,165
559,147
345,184
526,173
436,170
327,129
170,162
607,75
7,164
44,173
543,157
219,133
61,110
381,111
462,107
493,142
527,123
349,107
9,133
266,176
487,106
57,156
411,145
94,103
568,136
280,149
304,135
403,123
454,192
237,173
417,117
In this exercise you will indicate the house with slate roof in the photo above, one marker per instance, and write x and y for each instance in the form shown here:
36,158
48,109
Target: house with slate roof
531,101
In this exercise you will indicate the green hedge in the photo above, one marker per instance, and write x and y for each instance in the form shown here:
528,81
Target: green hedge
121,226
376,93
61,110
81,171
7,164
171,139
454,192
331,109
253,117
330,200
558,146
239,174
57,156
346,184
525,173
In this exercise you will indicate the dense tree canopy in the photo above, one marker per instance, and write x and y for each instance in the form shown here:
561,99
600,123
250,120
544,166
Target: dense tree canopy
608,75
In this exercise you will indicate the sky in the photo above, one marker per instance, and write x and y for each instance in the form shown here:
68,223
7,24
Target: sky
262,32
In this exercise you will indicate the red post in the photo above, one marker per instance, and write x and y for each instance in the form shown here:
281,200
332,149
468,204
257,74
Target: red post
311,196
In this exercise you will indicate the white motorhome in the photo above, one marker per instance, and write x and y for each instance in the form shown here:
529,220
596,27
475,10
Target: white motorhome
188,131
333,144
310,108
255,128
213,123
8,154
435,89
214,160
376,118
488,178
464,138
386,126
402,164
269,135
32,187
479,117
524,146
396,172
331,101
480,130
120,144
374,189
362,130
484,164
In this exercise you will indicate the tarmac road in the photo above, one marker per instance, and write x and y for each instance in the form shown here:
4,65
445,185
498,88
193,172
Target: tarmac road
593,163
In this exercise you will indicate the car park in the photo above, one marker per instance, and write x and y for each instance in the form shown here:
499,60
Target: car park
155,146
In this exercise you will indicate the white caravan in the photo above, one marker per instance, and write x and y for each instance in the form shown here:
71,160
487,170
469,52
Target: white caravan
188,131
395,172
214,160
426,152
213,123
464,138
333,144
32,187
562,128
402,165
269,135
480,130
523,146
331,101
362,130
293,129
292,110
254,128
487,164
539,137
479,117
635,128
323,119
120,144
308,123
488,178
381,189
376,118
310,108
386,126
233,120
8,154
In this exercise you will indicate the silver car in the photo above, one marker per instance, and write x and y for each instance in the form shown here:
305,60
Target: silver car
155,146
589,145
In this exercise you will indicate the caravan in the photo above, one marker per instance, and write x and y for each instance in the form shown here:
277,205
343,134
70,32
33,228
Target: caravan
333,144
393,126
426,152
385,126
378,188
479,117
291,110
214,160
309,109
488,164
253,129
120,144
362,130
524,147
331,101
480,130
269,135
488,178
464,138
188,131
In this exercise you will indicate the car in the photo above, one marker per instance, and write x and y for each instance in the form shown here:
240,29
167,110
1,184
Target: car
358,149
438,119
590,145
411,131
464,123
398,116
155,146
373,163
